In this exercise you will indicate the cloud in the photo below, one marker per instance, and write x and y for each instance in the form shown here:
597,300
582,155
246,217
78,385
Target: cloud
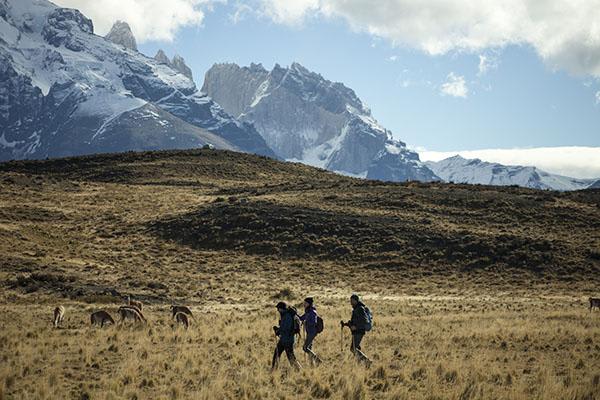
455,86
240,12
598,97
149,19
564,33
290,12
487,62
573,161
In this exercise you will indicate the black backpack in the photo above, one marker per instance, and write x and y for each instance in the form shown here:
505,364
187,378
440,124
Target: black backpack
319,324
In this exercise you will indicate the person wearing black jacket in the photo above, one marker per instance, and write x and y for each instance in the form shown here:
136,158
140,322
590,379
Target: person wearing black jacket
357,325
286,335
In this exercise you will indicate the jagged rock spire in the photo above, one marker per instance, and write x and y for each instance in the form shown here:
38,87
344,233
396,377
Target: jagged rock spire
177,63
120,33
162,58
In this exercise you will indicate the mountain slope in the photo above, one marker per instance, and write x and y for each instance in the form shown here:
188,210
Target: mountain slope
304,117
461,170
65,91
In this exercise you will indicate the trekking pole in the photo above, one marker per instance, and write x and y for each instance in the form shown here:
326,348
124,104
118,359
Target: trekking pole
341,338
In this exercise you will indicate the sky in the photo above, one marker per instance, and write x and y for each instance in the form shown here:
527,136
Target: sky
445,76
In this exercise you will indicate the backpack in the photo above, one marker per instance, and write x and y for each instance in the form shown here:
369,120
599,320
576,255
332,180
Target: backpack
297,322
368,319
319,324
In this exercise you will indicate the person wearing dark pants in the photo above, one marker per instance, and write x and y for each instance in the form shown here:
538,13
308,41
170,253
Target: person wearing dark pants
357,324
309,319
285,332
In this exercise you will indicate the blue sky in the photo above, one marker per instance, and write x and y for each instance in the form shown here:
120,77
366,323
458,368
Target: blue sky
519,103
417,65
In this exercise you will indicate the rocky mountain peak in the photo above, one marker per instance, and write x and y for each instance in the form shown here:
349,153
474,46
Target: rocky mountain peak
120,33
162,58
177,63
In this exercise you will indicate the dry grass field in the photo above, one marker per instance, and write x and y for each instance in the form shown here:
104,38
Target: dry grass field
478,292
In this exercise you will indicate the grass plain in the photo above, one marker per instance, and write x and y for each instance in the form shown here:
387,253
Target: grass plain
478,292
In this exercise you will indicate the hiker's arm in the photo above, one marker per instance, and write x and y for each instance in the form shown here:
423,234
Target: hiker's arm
348,324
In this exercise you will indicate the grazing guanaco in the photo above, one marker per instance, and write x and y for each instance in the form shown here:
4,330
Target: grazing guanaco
182,318
59,315
101,317
182,309
131,312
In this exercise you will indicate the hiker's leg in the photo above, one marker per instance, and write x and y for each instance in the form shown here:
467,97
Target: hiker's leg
278,350
356,340
355,343
289,352
307,347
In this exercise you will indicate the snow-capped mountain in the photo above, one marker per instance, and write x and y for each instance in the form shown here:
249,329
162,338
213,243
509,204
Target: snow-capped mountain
460,170
304,117
66,91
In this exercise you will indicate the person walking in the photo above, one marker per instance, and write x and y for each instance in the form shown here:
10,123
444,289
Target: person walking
286,331
359,324
310,320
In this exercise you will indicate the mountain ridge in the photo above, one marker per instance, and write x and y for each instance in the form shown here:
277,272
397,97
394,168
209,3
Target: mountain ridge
475,171
307,118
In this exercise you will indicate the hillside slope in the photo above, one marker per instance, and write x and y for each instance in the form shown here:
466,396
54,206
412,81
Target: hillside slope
168,224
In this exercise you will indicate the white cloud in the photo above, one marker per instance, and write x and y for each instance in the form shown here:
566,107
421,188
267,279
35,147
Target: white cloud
573,161
483,64
290,12
487,62
455,86
598,97
240,12
393,58
565,33
149,19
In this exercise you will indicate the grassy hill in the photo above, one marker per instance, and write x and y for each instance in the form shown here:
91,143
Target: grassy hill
147,223
478,291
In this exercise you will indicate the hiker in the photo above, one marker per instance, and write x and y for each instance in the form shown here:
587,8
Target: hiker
310,319
359,324
286,331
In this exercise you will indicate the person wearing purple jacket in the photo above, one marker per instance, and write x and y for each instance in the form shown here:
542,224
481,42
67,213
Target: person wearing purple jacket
309,320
